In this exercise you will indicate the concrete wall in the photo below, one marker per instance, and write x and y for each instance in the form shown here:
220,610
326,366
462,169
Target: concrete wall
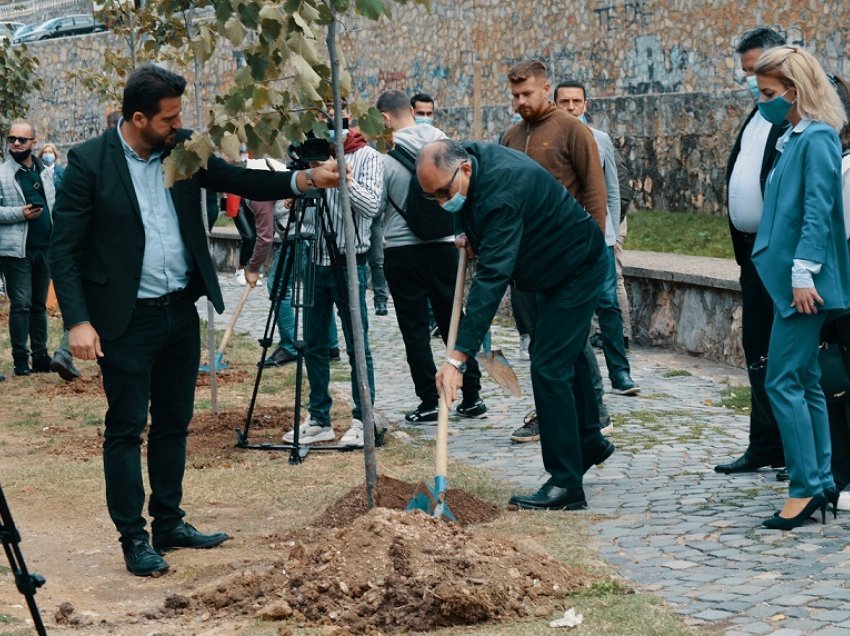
661,73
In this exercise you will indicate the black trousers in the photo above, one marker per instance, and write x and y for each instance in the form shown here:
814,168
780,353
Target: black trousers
417,274
27,282
152,365
757,322
560,377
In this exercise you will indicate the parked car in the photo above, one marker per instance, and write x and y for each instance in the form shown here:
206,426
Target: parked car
62,27
24,30
8,29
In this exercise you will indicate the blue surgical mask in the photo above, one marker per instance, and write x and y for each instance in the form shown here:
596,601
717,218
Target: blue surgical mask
775,110
753,85
423,120
332,134
455,204
516,118
582,118
48,159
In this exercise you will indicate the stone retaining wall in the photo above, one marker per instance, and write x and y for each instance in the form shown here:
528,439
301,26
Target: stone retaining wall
661,74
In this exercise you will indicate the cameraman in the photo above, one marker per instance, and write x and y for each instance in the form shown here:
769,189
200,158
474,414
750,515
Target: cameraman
365,189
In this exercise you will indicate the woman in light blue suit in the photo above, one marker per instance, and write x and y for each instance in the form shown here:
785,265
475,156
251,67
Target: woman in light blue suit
801,255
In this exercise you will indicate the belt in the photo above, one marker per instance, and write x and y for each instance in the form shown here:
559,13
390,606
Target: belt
162,301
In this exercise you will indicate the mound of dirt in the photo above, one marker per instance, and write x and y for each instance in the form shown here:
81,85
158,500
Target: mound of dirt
225,376
84,385
395,494
395,572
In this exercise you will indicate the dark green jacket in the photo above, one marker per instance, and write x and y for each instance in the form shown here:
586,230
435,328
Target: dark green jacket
98,239
524,226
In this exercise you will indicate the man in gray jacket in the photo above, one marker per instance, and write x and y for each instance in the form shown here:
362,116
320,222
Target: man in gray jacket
571,97
418,271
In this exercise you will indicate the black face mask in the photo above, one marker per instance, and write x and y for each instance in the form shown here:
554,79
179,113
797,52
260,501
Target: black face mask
20,155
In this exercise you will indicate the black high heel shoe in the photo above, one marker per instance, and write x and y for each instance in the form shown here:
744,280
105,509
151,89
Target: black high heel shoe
831,495
818,502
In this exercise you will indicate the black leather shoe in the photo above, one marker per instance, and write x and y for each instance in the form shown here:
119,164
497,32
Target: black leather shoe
333,354
20,371
186,536
746,464
593,459
278,359
141,559
41,364
63,364
782,475
381,309
551,497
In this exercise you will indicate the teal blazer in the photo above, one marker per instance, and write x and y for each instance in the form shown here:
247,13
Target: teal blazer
803,218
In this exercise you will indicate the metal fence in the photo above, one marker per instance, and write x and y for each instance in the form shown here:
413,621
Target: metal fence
16,10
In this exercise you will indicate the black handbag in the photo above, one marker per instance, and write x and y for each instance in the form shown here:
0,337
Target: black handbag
834,372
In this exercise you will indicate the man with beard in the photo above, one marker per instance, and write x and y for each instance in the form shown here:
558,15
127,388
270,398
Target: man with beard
26,204
130,259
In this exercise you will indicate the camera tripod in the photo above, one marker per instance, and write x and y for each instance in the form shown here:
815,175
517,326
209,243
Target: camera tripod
295,273
26,583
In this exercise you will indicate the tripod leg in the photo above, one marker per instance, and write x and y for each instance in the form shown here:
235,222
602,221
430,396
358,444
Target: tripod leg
26,583
279,286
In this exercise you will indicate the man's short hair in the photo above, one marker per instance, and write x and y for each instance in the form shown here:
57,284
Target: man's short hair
759,38
421,97
570,83
447,154
112,118
146,86
393,101
23,122
524,70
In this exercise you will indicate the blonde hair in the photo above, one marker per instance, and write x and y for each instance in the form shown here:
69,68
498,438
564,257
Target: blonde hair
798,69
45,148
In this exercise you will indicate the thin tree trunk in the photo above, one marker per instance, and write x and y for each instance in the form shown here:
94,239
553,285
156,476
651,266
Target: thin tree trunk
353,283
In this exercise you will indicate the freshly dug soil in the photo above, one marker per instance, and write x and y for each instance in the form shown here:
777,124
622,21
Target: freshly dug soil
396,494
395,572
225,376
84,385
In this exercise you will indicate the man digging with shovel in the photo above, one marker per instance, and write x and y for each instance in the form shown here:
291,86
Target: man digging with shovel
526,227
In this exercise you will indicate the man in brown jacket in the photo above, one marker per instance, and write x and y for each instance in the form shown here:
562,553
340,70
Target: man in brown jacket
567,149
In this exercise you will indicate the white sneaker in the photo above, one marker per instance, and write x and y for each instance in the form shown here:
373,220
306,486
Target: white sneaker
310,433
844,500
524,341
259,283
354,435
240,277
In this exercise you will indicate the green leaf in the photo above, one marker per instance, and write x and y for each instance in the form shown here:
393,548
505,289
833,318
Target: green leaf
259,64
230,146
234,101
372,9
249,14
234,31
223,11
200,145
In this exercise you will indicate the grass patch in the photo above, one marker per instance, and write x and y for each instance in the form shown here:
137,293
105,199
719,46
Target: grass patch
677,373
679,233
737,398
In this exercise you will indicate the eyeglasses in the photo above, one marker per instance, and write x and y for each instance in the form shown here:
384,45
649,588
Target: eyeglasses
18,140
442,193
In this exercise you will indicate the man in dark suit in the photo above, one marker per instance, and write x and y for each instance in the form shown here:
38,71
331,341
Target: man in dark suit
526,227
130,259
753,155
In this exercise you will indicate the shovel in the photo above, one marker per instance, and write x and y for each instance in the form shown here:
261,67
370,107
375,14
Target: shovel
494,362
434,502
219,362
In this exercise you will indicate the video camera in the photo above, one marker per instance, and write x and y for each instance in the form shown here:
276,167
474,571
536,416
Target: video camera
312,149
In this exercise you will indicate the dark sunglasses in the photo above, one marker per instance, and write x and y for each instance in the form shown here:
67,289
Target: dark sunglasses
21,140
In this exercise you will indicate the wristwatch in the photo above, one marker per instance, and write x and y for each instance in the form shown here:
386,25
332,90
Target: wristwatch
308,175
457,364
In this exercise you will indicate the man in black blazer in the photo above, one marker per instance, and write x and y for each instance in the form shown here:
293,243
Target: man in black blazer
129,259
753,155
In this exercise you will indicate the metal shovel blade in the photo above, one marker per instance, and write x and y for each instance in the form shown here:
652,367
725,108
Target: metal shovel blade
497,367
220,364
429,503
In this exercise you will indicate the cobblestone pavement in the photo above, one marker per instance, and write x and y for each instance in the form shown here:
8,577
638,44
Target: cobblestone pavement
662,516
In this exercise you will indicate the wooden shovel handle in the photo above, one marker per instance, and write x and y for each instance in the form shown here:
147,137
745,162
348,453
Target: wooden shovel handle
443,413
229,331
